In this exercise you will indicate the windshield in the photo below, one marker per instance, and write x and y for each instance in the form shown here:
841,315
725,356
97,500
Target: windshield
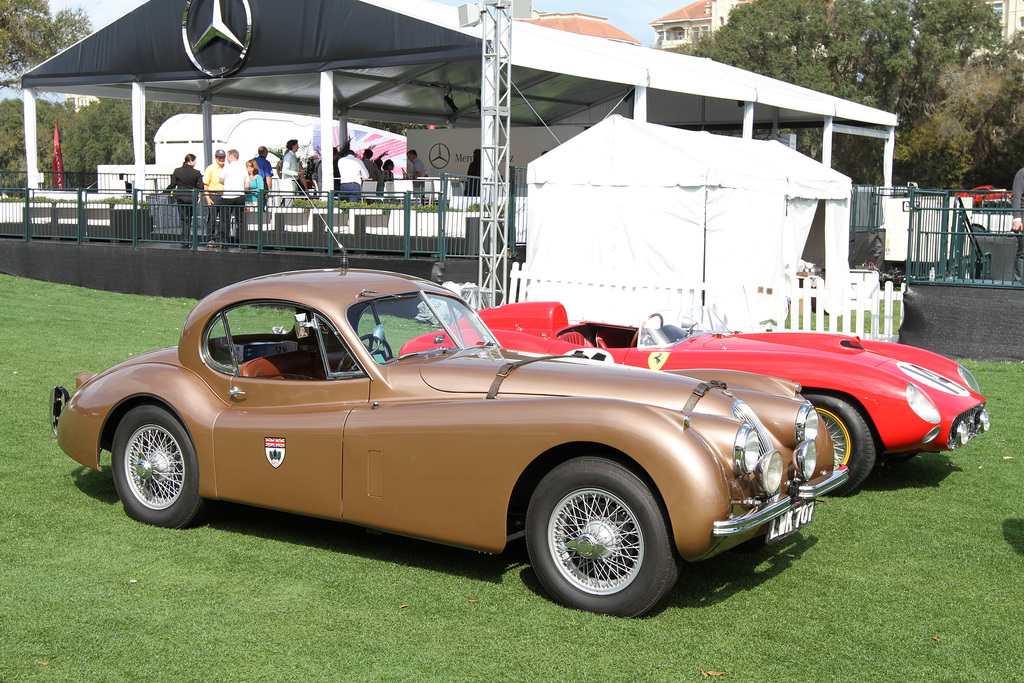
392,326
655,333
702,320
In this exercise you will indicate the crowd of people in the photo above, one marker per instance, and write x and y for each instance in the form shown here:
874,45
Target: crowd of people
222,192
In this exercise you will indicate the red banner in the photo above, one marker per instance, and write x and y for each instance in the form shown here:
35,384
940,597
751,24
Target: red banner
58,161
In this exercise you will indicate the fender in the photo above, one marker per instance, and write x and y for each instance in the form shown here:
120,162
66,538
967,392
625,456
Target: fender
89,413
391,448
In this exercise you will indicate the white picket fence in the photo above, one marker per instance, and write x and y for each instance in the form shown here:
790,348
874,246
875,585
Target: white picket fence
869,311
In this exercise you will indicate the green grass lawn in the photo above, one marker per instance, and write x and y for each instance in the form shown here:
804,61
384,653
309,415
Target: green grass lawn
917,578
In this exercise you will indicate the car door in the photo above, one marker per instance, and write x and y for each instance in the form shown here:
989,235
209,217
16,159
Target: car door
278,444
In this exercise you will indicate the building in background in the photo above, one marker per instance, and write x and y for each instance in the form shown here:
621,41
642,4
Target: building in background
79,101
582,24
1010,14
693,22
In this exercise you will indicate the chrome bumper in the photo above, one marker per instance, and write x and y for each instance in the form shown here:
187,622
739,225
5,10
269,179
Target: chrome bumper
778,506
59,397
836,479
755,518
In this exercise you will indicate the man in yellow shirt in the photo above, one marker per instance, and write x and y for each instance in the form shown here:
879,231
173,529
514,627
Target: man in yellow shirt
212,188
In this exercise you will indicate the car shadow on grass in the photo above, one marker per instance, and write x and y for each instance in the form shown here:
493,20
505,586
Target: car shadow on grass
1013,532
720,578
925,470
97,485
732,573
349,539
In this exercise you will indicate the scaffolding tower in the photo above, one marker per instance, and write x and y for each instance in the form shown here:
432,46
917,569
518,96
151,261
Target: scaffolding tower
495,119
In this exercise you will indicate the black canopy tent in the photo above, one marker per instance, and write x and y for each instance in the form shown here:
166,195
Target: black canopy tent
408,61
291,44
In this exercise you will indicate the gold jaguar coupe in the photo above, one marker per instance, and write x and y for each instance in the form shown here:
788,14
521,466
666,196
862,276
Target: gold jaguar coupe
383,401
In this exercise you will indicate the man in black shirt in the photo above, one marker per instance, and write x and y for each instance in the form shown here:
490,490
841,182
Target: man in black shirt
183,181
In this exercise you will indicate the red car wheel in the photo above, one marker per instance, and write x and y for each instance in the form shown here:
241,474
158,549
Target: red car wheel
854,443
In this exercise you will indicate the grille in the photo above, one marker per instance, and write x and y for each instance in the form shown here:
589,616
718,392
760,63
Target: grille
744,412
968,417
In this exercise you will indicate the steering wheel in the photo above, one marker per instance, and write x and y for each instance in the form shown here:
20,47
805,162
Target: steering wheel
652,316
346,362
376,344
636,335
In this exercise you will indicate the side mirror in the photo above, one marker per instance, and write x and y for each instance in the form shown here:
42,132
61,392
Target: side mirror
303,324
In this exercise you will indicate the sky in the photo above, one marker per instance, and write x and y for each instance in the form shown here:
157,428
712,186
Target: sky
633,17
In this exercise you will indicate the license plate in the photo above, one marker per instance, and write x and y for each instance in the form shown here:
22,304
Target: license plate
796,518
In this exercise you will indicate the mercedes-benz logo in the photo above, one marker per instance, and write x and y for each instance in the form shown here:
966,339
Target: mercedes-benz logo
217,34
440,155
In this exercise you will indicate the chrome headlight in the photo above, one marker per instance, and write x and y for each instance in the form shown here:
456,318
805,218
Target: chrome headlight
922,405
807,458
983,421
746,450
969,379
769,472
963,434
806,423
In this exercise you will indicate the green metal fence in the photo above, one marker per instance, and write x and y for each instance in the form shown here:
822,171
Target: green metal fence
952,242
867,206
442,223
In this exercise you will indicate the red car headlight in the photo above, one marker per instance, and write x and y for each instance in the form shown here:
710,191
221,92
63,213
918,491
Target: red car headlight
922,405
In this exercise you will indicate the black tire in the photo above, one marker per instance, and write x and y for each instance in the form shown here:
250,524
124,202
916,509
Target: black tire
622,561
156,471
854,442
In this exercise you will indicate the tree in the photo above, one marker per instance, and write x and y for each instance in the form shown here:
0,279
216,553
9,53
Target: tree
937,64
29,35
783,39
97,134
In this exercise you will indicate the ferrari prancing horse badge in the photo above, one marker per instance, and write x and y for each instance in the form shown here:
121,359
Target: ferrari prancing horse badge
656,360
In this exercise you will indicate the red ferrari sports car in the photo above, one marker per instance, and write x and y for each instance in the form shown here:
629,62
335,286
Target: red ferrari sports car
877,398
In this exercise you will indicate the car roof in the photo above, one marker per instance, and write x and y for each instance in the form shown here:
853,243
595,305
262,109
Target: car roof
330,291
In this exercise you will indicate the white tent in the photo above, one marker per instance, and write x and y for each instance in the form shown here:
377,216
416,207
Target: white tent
649,206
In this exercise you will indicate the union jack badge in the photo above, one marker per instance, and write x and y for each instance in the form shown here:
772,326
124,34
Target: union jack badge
274,446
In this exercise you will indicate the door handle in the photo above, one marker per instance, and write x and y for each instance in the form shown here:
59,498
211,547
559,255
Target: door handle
235,392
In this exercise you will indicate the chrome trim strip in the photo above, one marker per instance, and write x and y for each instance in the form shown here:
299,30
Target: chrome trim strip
812,491
754,518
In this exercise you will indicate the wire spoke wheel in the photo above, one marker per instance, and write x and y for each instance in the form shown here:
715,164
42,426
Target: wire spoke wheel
154,467
852,438
596,540
840,436
599,539
156,471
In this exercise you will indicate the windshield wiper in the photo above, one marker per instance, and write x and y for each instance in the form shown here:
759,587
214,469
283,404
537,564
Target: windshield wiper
372,292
